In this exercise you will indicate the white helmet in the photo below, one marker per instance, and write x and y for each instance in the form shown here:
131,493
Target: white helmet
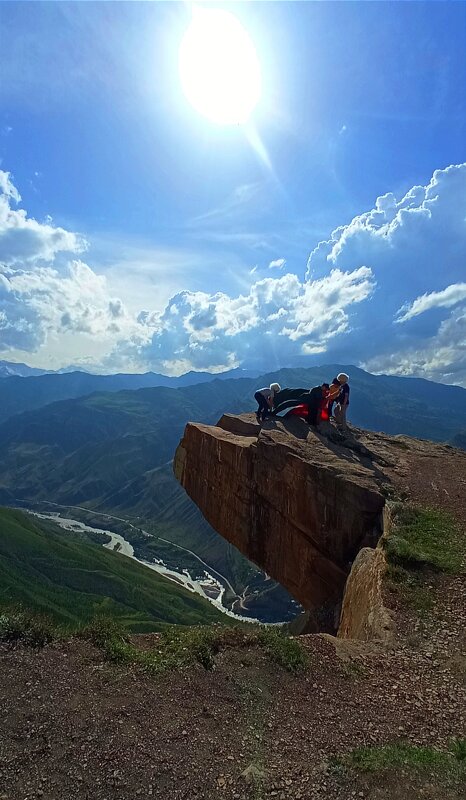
275,387
342,377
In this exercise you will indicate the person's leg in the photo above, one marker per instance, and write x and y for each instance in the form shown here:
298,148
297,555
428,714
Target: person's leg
313,413
343,416
258,397
340,415
263,408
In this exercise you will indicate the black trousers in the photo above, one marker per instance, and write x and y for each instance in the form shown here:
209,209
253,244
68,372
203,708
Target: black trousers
263,405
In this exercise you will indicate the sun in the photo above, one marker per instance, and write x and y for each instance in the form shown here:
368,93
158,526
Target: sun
219,68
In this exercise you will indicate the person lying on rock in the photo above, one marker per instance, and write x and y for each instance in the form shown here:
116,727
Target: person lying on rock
342,401
312,399
265,400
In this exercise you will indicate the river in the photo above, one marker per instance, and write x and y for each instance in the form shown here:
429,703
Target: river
210,587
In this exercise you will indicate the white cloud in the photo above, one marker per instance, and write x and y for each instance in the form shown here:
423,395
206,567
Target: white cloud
38,303
441,357
42,297
420,239
279,318
388,265
451,296
23,238
414,244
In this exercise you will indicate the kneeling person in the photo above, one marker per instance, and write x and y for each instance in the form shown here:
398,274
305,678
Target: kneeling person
265,398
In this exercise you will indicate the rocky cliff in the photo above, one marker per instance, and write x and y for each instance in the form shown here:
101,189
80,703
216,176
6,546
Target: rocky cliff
302,504
294,501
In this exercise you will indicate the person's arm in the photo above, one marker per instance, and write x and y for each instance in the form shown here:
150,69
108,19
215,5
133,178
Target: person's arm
334,391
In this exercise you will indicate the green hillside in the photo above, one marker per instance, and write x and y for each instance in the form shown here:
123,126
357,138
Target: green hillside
73,581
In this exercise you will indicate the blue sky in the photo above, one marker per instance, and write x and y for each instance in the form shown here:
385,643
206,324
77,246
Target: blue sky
144,233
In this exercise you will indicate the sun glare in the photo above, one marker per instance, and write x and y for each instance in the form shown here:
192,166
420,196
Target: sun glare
219,68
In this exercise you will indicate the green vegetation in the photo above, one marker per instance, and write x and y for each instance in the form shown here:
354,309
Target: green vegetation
51,572
424,538
447,765
424,542
179,647
285,651
35,630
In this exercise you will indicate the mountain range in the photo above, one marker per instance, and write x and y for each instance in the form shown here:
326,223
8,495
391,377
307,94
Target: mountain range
17,394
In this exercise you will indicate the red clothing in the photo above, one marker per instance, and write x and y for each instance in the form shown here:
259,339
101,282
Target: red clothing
299,411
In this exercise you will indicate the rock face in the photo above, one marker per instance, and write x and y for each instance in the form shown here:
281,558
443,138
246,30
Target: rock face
363,614
293,501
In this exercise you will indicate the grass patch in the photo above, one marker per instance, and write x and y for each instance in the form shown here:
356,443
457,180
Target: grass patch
424,538
179,647
18,625
285,651
423,543
412,589
447,764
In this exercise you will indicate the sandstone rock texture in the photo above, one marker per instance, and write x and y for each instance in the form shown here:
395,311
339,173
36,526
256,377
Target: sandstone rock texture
363,614
294,502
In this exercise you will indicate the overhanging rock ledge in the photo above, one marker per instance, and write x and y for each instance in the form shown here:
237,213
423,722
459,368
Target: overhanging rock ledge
294,501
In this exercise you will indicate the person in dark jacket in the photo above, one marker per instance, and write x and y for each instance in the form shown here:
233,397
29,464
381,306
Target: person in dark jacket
314,402
265,400
342,403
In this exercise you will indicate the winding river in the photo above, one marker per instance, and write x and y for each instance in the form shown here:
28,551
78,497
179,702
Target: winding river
210,587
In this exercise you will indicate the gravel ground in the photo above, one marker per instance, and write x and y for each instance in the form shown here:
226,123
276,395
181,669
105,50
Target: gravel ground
75,727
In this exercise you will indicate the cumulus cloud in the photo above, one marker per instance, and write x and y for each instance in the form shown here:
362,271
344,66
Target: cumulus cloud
40,296
278,319
279,263
45,300
416,249
441,357
417,240
25,239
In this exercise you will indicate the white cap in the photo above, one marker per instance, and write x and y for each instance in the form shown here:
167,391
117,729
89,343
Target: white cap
275,387
343,377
